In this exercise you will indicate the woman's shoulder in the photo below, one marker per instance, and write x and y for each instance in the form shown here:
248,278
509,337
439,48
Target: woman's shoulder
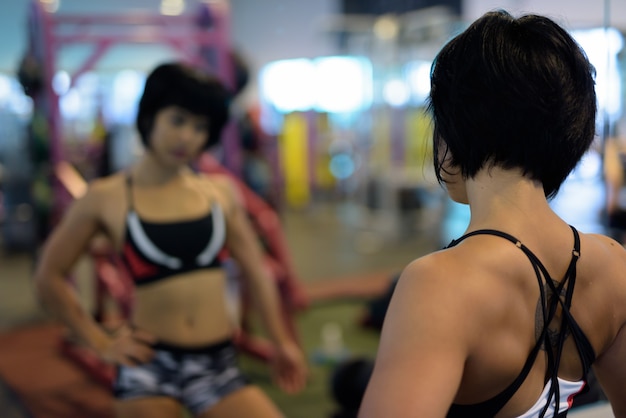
96,197
444,270
601,239
601,286
222,187
100,193
602,252
603,263
479,276
221,180
441,279
104,186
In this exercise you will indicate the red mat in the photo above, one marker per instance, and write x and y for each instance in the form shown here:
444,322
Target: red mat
47,382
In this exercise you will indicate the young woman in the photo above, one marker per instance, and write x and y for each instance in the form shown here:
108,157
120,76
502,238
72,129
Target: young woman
509,319
172,228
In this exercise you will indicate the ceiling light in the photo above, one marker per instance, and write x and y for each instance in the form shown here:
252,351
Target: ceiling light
386,27
172,7
50,6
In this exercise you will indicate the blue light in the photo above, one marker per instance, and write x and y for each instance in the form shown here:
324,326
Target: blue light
342,166
124,96
418,78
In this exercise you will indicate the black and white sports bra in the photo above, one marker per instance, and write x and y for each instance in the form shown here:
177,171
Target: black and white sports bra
558,296
154,251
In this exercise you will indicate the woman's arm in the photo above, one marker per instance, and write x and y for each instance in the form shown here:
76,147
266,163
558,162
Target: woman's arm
245,248
423,347
610,365
610,370
266,225
69,240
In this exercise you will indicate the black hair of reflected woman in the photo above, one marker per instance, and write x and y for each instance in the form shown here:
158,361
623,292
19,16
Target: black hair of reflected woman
179,84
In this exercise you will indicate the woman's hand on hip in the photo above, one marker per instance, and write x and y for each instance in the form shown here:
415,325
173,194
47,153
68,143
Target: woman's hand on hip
289,368
128,347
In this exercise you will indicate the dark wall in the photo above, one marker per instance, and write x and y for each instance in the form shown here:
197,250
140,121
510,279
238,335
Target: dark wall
377,7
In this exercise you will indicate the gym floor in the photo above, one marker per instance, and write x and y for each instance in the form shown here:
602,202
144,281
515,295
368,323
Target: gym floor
329,242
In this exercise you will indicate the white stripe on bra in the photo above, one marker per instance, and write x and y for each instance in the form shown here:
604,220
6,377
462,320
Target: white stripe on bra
567,390
154,254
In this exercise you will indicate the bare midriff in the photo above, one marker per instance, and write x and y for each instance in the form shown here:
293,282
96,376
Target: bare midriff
186,310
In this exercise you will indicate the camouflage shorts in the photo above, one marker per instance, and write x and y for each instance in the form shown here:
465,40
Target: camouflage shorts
198,378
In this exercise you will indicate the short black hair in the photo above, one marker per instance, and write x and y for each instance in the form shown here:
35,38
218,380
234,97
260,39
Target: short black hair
178,84
513,92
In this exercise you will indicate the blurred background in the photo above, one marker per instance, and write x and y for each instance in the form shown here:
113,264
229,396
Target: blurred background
329,131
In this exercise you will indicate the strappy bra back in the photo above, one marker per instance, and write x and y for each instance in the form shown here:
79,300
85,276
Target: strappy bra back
558,296
154,251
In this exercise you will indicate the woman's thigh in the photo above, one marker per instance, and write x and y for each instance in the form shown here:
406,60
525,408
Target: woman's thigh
153,407
249,401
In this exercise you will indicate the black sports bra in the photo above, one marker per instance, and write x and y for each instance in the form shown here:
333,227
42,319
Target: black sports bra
550,304
157,250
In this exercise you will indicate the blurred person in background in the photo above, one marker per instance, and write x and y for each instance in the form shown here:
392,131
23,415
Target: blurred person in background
173,229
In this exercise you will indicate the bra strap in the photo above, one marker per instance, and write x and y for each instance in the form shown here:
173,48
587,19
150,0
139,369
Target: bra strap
129,192
549,311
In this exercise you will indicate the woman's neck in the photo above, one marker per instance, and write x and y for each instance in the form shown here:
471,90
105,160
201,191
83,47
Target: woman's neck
505,198
148,171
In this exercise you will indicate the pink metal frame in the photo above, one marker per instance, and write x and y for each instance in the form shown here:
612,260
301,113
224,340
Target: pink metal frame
52,32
